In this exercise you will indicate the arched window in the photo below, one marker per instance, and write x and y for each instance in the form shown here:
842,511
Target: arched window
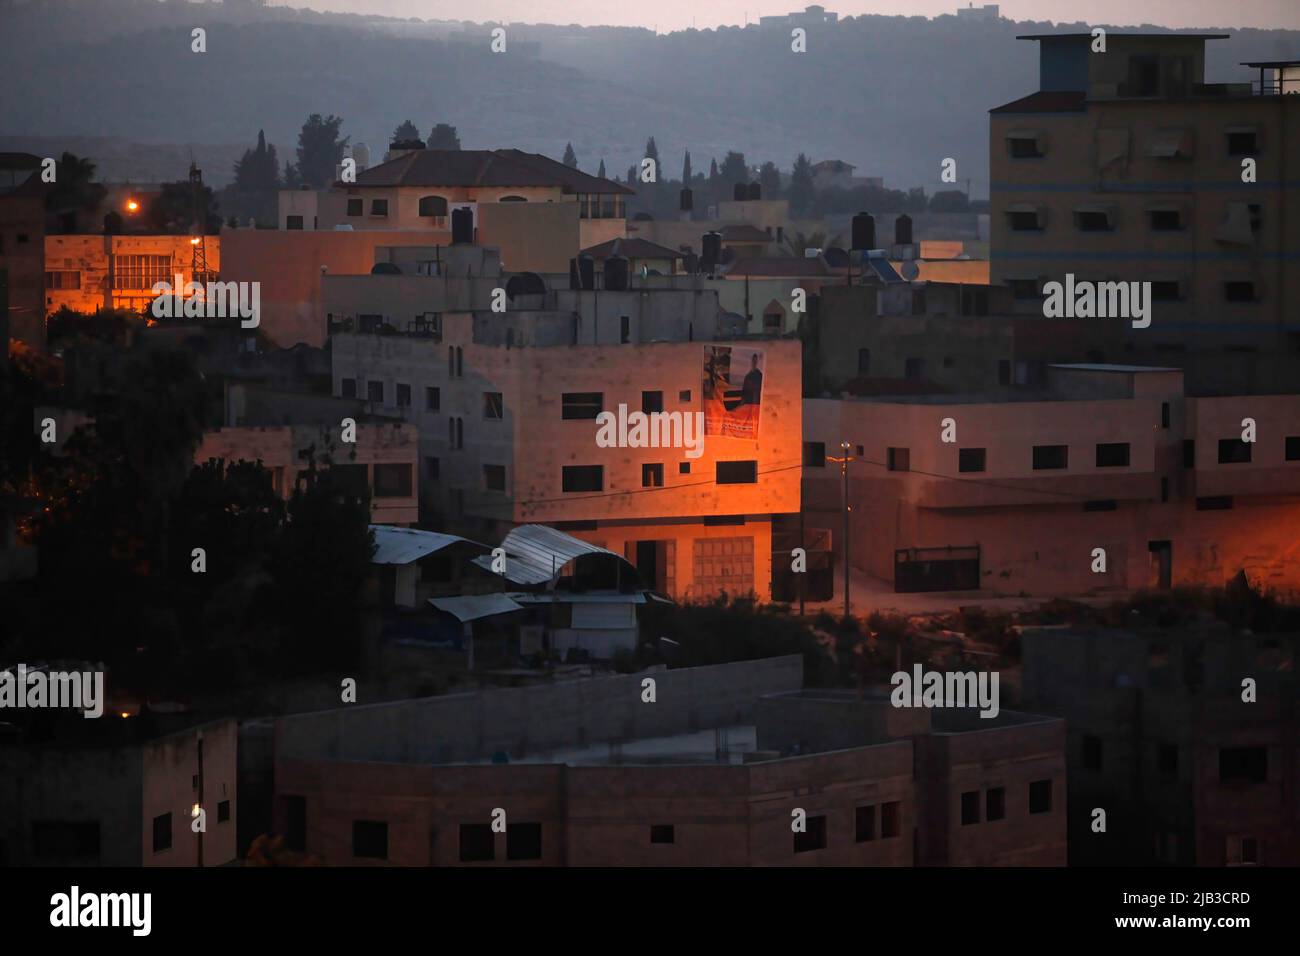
512,199
434,206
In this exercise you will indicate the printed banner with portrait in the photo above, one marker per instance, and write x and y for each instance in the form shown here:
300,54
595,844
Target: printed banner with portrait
733,391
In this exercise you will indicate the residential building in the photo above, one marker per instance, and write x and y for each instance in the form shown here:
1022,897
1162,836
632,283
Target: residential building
89,272
1107,477
381,462
715,773
118,791
1190,766
22,248
1128,166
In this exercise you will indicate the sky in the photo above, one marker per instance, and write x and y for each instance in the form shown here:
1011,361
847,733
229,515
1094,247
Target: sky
666,15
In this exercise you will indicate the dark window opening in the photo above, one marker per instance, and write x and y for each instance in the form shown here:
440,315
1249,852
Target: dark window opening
1234,451
162,833
864,824
577,478
393,481
1243,764
370,839
970,807
898,459
1051,457
581,405
971,459
1040,796
814,454
995,804
813,837
652,402
663,833
891,820
1113,455
737,472
652,475
477,843
524,841
494,477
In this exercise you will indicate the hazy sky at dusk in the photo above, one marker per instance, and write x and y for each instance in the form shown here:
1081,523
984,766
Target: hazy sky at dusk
678,14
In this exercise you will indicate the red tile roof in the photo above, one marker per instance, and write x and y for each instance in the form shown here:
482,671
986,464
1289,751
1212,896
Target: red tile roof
483,167
779,266
632,249
1047,101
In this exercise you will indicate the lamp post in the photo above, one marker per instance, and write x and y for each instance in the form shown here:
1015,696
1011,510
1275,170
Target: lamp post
844,460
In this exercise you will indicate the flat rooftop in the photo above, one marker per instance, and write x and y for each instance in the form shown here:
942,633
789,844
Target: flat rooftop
719,745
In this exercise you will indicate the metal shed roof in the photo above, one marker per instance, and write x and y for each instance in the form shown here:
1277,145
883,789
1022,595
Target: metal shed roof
471,607
535,553
405,545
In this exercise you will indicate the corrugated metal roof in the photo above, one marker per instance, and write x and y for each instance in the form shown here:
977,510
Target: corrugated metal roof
569,597
471,607
404,545
535,553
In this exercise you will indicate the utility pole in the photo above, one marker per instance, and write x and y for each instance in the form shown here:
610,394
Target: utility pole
844,460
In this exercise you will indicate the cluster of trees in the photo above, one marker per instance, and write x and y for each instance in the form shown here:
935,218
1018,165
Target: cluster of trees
662,197
118,516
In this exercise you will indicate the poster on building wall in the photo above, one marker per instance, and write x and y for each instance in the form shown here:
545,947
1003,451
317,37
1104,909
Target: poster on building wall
733,391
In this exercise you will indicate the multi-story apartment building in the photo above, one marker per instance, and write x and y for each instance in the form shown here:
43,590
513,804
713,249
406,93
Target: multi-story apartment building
1191,767
382,461
1126,165
716,773
22,249
85,272
508,405
1017,493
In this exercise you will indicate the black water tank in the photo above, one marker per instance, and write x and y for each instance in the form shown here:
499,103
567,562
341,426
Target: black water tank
903,230
712,251
740,192
691,263
574,281
864,231
688,201
616,274
587,271
755,190
462,226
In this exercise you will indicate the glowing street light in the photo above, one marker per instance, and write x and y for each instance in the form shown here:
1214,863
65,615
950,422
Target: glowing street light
132,205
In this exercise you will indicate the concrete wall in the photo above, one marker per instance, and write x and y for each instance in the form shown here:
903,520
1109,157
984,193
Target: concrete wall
465,727
170,766
22,256
97,261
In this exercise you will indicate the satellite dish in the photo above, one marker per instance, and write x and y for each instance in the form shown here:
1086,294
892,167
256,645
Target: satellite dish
909,270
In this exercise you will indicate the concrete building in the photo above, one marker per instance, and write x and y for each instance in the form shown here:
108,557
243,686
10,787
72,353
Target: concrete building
583,773
419,188
90,272
107,793
22,249
1104,457
383,461
1161,737
1129,166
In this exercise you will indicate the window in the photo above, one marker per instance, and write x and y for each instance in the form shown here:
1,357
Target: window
494,477
1093,220
477,843
1167,759
375,392
914,368
864,361
1091,752
995,803
891,819
652,475
1165,220
460,362
223,811
684,395
1164,414
581,405
1166,290
356,207
162,833
624,329
1164,490
1234,451
1243,142
970,459
493,407
813,837
684,468
432,398
1040,796
970,807
864,824
1025,290
1189,452
432,468
1051,457
379,207
433,207
898,459
583,478
524,841
1249,850
814,454
1214,503
737,472
1243,765
392,481
1004,371
1239,290
293,222
295,822
663,833
141,272
403,395
1113,455
1025,146
1293,447
458,426
1024,220
652,402
63,280
370,839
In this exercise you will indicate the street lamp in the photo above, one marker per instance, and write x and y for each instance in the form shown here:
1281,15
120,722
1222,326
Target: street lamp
844,460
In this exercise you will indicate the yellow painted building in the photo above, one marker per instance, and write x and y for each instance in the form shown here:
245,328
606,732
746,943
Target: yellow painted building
88,272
